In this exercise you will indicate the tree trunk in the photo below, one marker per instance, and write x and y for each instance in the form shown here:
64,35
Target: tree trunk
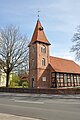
7,79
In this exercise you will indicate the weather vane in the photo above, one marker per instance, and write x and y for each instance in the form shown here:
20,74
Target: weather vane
38,13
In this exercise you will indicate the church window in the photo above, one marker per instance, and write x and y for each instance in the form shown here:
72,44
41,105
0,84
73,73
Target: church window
43,49
57,75
77,80
43,62
71,78
65,78
43,79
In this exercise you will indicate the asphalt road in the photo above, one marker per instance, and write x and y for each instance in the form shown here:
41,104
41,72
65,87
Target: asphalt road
44,108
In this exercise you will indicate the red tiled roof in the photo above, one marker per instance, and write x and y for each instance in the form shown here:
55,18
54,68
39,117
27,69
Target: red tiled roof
39,35
24,77
64,65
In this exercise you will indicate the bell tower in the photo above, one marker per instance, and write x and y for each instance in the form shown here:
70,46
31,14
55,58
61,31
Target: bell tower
39,73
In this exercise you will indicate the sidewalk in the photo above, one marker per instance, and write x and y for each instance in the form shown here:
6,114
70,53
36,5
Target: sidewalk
14,117
50,96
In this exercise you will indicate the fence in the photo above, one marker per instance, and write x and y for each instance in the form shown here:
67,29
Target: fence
42,91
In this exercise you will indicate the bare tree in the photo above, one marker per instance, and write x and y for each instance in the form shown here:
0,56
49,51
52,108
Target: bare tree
13,49
76,46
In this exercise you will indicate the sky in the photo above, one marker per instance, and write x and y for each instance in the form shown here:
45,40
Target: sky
59,18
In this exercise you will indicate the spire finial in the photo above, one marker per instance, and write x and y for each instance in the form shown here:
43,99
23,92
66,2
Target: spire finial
38,13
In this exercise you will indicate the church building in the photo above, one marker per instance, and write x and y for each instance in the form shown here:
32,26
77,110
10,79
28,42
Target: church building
47,71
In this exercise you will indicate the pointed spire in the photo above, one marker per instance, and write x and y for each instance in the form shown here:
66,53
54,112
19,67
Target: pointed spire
39,35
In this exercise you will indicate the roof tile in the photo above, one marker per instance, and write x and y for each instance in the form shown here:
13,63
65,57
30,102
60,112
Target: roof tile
64,65
39,35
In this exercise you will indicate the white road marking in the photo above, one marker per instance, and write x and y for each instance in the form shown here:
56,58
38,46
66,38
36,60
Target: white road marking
63,102
50,101
29,102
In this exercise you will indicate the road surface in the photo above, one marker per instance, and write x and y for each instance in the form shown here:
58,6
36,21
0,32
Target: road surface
44,108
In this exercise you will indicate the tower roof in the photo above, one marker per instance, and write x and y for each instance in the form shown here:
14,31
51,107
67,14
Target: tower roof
39,35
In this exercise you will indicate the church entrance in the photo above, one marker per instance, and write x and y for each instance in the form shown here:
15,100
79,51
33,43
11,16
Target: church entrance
32,82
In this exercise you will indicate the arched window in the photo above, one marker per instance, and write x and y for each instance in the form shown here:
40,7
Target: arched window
43,62
43,49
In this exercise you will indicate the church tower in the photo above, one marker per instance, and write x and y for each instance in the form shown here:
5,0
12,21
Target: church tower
39,74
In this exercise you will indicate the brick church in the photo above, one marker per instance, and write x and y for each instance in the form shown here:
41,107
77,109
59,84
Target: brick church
46,71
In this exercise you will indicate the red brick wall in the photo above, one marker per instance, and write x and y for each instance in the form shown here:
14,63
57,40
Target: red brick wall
39,71
62,91
32,69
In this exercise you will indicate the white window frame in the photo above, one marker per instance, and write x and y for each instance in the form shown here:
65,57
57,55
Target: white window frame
43,62
44,79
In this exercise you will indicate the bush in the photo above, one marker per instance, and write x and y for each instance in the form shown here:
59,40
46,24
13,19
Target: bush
17,83
25,85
